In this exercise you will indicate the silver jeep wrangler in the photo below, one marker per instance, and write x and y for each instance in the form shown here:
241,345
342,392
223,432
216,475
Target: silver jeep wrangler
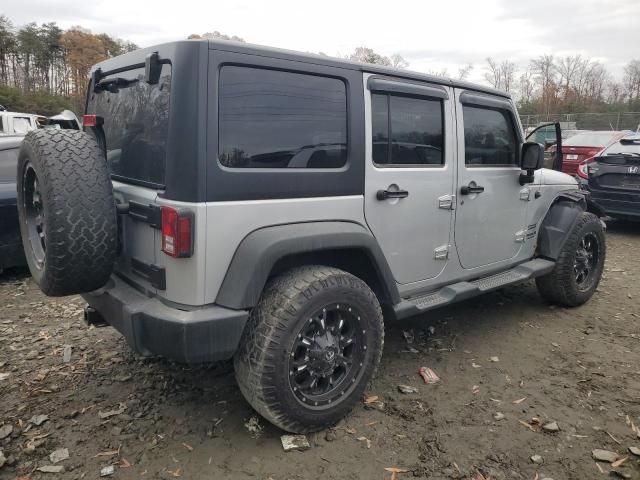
233,201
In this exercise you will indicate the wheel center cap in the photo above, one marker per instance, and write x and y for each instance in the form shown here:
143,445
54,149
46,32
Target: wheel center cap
324,353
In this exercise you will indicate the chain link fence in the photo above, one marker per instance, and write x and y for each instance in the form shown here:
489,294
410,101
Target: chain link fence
587,121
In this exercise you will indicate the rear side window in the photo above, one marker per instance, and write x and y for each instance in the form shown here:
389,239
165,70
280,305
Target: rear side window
276,119
136,125
489,138
407,131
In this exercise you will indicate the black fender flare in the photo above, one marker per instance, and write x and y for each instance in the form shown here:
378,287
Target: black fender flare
559,222
259,251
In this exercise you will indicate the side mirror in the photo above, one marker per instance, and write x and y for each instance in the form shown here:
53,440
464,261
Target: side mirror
532,159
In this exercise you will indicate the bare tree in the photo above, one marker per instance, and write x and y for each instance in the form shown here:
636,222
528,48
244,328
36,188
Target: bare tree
544,71
439,73
501,75
508,71
569,68
463,72
367,55
493,75
526,87
615,92
632,80
397,61
596,78
216,35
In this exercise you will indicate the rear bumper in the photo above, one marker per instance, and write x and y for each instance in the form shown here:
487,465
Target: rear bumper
150,327
618,204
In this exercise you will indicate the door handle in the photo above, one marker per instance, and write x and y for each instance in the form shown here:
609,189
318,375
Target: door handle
471,188
386,194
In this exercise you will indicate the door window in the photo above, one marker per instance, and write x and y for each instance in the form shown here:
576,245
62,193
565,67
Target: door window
407,131
489,138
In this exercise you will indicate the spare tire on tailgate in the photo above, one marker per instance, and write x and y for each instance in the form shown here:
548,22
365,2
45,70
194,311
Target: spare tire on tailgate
67,211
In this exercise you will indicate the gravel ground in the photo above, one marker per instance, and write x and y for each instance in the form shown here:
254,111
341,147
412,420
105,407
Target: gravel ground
527,391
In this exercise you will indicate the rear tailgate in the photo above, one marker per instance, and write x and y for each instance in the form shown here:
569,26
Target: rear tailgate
615,183
619,172
133,123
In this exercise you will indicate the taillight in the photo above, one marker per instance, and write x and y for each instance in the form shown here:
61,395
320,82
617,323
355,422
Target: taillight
177,232
92,120
583,168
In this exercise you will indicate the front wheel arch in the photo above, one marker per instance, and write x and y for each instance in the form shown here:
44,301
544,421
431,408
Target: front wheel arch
557,225
564,285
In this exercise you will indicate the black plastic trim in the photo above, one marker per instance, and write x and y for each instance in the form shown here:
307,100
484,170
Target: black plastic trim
379,84
206,334
465,290
154,274
467,98
148,213
559,222
259,251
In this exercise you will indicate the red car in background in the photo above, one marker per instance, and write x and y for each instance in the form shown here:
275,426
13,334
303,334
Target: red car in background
584,146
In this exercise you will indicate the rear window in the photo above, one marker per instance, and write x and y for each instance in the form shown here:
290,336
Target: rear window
276,119
626,145
136,125
589,140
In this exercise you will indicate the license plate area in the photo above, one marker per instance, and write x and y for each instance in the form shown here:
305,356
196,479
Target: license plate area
618,180
572,156
631,181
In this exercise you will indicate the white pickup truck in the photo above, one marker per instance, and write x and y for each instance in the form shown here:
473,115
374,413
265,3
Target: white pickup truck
13,123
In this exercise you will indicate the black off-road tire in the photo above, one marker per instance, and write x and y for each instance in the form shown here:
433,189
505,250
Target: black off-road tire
561,286
261,362
73,205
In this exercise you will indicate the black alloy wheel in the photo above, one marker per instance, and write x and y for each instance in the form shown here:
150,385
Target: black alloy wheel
579,264
310,347
34,215
327,355
586,260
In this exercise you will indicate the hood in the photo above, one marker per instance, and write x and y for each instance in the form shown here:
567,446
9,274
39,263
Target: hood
545,176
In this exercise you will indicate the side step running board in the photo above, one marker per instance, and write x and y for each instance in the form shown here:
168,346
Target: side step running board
464,290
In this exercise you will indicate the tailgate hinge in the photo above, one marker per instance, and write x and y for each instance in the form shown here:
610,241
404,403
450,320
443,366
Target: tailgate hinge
154,274
148,213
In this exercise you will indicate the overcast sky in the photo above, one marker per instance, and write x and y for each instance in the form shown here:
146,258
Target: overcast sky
430,34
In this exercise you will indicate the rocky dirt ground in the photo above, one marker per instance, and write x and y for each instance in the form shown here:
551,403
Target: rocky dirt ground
527,391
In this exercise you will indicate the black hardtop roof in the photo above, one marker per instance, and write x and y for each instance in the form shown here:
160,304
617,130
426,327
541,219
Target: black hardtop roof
251,49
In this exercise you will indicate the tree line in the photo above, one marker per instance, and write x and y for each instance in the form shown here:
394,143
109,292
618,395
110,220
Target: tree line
44,68
547,84
569,84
